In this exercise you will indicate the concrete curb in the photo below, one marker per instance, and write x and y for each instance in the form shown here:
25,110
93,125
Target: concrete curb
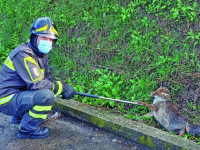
147,136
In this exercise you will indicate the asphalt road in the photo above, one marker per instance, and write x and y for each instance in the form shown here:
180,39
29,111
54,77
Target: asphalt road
66,134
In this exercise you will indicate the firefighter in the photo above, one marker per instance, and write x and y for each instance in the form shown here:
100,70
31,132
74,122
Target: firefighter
26,90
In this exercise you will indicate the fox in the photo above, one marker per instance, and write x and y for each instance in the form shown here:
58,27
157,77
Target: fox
168,114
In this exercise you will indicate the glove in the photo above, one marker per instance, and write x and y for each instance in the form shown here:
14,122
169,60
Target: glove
68,91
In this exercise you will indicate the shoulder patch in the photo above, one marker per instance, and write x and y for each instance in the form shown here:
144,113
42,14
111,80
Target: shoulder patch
32,69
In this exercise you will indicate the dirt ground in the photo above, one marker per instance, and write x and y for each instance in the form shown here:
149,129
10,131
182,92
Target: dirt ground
66,133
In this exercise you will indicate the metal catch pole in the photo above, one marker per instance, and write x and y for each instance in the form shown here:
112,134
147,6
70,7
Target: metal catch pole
105,98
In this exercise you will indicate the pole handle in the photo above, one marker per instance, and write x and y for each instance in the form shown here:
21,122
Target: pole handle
86,95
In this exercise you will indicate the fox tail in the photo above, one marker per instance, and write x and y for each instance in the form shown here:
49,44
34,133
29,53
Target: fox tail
193,129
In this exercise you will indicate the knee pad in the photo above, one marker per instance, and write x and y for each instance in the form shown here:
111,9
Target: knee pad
44,97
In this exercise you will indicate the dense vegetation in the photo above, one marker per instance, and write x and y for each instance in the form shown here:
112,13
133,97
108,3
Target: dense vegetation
119,49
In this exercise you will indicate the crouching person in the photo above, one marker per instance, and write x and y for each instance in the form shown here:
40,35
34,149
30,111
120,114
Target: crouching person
26,90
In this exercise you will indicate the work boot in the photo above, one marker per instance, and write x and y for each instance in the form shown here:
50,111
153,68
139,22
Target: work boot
40,133
15,119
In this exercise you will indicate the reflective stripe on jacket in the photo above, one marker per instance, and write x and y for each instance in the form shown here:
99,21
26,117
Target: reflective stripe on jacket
6,99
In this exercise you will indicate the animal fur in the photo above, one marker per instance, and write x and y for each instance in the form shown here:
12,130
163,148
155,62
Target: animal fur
168,115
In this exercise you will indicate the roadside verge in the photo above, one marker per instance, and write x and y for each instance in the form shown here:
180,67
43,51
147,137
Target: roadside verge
147,136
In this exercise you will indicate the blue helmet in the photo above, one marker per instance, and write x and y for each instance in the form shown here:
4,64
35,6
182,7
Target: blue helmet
44,26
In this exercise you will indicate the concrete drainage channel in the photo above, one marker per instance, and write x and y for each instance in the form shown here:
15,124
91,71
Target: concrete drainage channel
147,136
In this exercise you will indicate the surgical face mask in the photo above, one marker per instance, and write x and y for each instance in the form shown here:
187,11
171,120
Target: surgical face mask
45,46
